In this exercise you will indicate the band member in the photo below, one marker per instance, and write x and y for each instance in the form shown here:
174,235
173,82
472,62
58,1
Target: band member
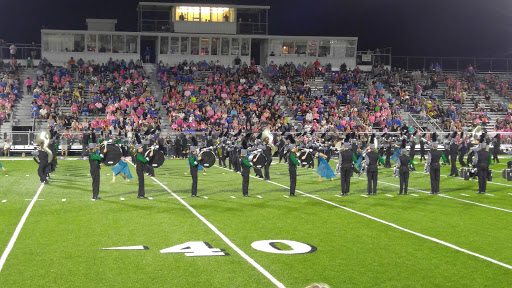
422,150
389,148
292,168
267,151
434,156
412,143
41,158
246,170
140,162
281,149
95,158
346,158
496,150
403,169
482,161
454,149
324,169
194,167
123,169
3,169
371,160
463,149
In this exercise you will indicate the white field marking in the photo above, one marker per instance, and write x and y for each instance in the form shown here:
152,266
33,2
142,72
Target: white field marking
108,174
140,247
3,201
222,236
449,197
150,198
122,199
488,182
334,195
402,228
6,175
259,196
286,196
18,228
364,196
233,197
27,175
205,197
33,199
415,195
489,194
389,195
464,195
509,193
63,200
92,199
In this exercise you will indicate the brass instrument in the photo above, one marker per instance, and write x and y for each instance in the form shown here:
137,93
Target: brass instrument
267,137
43,140
476,134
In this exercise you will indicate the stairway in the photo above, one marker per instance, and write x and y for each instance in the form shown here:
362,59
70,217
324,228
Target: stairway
22,112
157,92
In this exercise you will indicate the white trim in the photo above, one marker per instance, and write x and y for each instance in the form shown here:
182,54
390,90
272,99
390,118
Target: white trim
222,236
10,245
395,226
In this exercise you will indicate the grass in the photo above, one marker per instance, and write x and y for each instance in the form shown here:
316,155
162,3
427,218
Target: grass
60,243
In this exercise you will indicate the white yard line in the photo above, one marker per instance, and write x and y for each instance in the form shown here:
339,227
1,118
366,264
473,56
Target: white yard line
399,227
450,197
222,236
18,228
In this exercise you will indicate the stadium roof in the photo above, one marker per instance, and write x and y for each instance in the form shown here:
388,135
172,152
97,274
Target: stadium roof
224,3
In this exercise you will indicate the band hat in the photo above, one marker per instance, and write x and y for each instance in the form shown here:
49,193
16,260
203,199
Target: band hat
243,152
138,146
92,145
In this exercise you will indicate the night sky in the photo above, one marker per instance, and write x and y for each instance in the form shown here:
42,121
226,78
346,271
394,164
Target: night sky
479,28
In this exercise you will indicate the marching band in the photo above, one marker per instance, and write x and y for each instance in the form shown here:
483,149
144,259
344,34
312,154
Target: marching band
362,153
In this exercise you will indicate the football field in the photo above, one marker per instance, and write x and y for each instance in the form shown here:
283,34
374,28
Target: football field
54,235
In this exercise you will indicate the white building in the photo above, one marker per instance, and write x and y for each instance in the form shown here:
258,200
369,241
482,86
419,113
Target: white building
174,32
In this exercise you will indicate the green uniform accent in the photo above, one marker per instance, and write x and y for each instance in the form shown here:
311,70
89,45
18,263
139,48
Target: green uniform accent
412,163
192,160
354,158
381,159
142,159
294,159
96,157
246,162
118,141
101,141
490,161
444,157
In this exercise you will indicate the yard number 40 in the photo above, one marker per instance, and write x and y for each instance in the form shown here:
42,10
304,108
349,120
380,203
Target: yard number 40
199,248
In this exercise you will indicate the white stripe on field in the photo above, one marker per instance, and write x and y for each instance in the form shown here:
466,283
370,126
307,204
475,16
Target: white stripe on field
3,201
222,236
401,228
449,197
389,195
18,228
416,195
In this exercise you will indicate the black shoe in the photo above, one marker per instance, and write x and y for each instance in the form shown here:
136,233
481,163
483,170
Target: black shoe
368,193
375,193
96,198
142,197
432,193
266,179
293,195
405,193
400,194
46,182
260,177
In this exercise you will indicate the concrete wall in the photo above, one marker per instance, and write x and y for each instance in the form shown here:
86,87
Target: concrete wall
224,60
61,58
205,27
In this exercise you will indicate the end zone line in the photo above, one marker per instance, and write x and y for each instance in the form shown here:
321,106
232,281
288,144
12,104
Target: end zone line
18,228
222,236
398,227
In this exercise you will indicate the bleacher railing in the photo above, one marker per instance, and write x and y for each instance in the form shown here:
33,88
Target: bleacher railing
23,51
455,64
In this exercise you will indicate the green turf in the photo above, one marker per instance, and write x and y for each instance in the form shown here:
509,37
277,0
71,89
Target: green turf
60,243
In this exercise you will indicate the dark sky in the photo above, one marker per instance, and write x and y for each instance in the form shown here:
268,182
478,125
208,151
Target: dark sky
478,28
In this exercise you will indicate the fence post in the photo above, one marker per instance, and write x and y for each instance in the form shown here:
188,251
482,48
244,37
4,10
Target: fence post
407,63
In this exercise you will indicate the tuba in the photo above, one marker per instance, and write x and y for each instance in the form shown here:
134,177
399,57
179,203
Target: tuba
43,140
477,133
267,137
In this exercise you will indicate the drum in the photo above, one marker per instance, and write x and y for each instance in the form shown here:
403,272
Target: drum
507,174
306,161
157,160
260,160
113,155
464,173
207,158
489,175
